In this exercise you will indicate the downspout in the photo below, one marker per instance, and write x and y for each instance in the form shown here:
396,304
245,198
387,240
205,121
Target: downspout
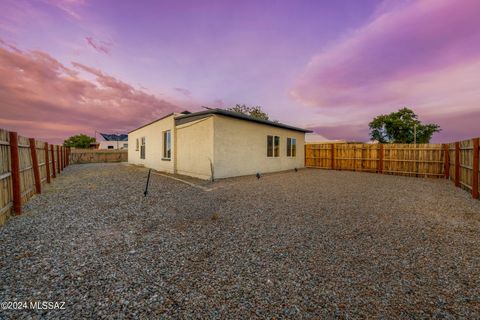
174,146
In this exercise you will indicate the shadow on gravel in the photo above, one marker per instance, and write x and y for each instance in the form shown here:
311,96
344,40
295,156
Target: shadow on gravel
307,244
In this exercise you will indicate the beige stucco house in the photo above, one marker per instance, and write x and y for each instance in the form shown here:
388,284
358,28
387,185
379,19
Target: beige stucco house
216,144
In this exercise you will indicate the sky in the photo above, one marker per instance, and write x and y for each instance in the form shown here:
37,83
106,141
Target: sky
80,66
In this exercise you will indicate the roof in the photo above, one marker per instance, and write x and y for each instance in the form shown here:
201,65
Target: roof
203,114
165,116
114,137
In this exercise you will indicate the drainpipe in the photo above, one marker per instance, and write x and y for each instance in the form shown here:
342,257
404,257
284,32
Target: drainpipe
174,146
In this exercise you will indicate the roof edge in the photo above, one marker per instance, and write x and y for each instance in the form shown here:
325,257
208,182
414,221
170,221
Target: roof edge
239,116
145,125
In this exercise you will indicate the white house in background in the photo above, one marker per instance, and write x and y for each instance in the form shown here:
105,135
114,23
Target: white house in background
215,144
113,145
113,141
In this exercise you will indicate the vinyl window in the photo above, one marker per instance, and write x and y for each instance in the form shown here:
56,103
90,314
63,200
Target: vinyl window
291,147
167,145
142,148
273,146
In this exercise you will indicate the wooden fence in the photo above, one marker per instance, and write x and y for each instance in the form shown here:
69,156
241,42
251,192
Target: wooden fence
26,166
95,155
457,161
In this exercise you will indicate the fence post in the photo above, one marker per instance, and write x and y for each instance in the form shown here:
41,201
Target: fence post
446,159
475,169
61,158
457,164
47,163
58,159
68,156
380,158
15,159
332,156
53,161
36,169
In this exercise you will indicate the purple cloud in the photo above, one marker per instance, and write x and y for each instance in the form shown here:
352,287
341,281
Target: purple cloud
187,93
99,46
419,38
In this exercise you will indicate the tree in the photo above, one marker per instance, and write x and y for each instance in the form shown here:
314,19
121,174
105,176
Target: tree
255,112
399,127
79,141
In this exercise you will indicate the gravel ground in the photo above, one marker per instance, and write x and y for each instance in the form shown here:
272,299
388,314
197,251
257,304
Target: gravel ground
310,244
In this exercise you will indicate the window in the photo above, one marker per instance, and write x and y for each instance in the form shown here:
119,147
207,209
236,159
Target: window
276,147
291,147
273,146
125,145
142,149
167,145
110,147
136,149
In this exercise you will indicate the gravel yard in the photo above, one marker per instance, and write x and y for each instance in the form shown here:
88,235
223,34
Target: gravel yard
307,244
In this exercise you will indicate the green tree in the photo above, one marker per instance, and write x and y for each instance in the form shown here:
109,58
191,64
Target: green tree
399,127
79,141
255,112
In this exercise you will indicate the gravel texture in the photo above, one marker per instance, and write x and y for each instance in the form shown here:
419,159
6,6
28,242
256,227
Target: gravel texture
307,244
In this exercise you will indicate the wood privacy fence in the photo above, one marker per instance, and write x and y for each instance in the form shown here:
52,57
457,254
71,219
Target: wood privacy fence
458,161
95,155
25,166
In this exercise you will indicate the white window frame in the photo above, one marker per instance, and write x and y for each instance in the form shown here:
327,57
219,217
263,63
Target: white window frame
290,149
273,146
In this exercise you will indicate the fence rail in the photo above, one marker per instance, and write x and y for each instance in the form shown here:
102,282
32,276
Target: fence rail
458,161
26,165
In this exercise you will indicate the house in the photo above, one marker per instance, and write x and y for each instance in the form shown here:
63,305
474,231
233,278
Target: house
216,143
113,141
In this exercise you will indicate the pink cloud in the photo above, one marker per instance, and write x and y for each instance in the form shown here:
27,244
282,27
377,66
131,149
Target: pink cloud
419,38
43,98
424,54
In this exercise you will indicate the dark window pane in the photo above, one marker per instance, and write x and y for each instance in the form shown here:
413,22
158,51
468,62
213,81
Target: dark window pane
294,147
269,146
289,147
277,146
142,149
167,149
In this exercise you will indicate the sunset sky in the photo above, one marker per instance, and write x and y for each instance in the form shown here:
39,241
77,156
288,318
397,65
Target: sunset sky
77,66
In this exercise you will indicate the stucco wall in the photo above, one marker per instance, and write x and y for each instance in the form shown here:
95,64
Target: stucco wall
114,144
240,148
153,134
195,148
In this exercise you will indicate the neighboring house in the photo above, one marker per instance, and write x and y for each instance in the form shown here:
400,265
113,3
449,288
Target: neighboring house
114,141
113,145
216,144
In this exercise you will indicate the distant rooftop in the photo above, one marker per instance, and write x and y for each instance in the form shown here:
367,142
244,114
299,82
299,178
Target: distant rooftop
114,137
